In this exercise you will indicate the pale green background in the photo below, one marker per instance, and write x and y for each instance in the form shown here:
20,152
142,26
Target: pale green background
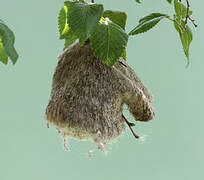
174,149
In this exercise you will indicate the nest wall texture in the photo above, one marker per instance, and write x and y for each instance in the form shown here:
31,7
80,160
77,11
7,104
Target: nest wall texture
87,96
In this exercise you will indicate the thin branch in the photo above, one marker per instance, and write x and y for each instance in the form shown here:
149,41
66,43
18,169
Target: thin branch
188,15
122,63
130,126
193,21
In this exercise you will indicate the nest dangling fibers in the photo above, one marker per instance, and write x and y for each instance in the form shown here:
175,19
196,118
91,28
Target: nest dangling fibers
87,97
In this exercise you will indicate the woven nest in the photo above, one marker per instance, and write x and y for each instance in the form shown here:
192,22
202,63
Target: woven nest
87,97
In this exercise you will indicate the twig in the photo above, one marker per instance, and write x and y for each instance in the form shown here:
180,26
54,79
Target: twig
193,21
130,126
188,15
122,63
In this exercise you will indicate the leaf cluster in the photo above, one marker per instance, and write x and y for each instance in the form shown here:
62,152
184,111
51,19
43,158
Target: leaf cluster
106,29
180,25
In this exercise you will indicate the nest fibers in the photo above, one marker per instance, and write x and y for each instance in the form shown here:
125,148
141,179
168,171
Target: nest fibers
87,97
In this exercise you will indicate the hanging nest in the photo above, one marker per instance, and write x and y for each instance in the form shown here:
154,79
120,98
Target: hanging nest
87,97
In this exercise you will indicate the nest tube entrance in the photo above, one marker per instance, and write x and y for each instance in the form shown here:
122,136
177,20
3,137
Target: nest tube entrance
87,97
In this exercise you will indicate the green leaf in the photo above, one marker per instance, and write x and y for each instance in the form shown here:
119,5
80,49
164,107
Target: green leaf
83,18
138,1
3,54
69,39
64,29
8,39
170,1
181,10
151,17
124,54
108,41
79,1
147,23
186,37
62,22
117,17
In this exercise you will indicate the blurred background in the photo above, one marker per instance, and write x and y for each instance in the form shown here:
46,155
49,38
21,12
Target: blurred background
174,145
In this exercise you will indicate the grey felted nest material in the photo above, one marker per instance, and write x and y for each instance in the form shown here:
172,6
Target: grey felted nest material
87,96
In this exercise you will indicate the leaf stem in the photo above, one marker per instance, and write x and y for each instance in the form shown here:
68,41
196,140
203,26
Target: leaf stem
173,20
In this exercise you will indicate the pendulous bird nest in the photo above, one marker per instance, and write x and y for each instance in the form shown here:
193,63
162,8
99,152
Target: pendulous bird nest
87,97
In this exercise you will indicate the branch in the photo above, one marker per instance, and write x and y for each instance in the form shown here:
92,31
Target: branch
188,15
130,126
